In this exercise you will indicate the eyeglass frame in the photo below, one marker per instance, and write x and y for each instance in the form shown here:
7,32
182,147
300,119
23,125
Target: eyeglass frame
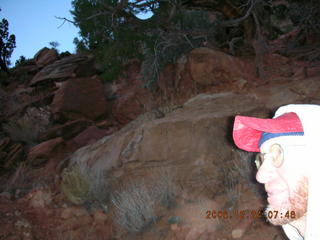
262,157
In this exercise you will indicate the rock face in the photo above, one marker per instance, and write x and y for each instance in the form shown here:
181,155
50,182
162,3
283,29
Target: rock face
191,138
3,99
42,152
67,130
131,98
210,67
10,153
80,97
190,135
68,67
89,135
45,56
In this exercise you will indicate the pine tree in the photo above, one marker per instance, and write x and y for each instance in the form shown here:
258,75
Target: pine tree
7,44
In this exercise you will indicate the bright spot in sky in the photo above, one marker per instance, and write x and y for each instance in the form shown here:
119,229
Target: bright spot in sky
144,16
34,24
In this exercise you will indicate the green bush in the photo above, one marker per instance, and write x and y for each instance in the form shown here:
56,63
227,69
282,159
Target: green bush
20,61
75,185
83,185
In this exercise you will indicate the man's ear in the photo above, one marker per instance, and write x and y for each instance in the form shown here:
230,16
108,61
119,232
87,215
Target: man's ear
277,155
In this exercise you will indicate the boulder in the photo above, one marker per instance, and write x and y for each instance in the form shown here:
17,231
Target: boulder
3,99
66,131
80,97
132,99
88,136
45,151
196,138
68,67
185,138
3,155
10,153
14,155
242,227
210,67
194,217
45,56
74,218
39,198
74,212
4,143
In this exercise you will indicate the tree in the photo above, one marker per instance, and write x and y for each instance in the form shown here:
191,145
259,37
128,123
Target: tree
113,32
54,45
20,61
7,44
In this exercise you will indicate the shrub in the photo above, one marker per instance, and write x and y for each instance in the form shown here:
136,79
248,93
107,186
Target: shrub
134,207
236,172
65,54
19,180
135,203
21,61
99,188
230,182
75,185
163,189
54,45
83,185
28,128
3,99
4,78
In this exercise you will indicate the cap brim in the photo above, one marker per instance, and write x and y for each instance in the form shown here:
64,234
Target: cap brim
247,130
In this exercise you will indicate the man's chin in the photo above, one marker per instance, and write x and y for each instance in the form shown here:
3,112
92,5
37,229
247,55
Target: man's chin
283,215
278,215
288,210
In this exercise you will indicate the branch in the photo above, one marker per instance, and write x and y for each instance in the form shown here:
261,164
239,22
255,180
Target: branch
121,12
236,22
65,20
97,15
260,49
146,4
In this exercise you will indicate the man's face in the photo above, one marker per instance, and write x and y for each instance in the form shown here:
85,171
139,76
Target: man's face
283,176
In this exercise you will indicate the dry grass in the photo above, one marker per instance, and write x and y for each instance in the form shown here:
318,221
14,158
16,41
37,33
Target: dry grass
134,207
28,127
136,203
237,171
99,189
19,181
163,187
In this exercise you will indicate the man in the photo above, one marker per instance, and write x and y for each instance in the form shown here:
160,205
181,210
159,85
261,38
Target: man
289,146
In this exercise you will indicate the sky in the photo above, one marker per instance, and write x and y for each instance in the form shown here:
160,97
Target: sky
34,24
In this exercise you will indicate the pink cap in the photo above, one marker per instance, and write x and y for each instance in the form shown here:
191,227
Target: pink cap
247,131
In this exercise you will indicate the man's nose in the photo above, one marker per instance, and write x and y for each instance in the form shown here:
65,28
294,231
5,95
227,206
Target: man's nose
266,173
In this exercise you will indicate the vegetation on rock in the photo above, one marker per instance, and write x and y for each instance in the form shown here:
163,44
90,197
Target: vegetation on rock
113,31
136,202
82,185
7,44
27,129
